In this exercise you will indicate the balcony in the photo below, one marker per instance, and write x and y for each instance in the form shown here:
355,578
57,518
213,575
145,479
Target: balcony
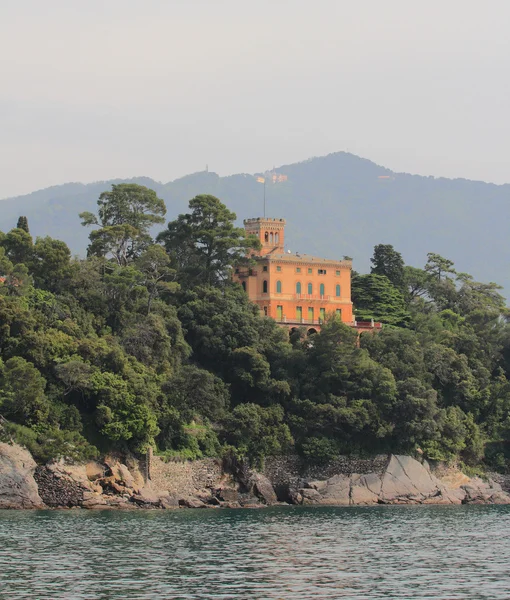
367,324
296,321
359,325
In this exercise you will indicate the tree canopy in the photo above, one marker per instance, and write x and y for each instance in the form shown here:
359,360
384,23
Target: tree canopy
124,219
205,243
153,344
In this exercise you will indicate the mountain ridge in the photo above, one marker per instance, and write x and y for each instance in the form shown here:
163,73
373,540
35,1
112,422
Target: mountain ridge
335,205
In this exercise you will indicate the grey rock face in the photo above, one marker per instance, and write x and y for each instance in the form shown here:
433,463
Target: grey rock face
365,489
484,492
406,478
403,481
227,494
263,489
18,488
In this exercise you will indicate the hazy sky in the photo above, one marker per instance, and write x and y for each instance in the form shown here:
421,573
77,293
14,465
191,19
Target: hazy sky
97,89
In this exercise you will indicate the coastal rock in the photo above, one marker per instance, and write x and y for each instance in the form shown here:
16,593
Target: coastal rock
76,473
93,500
57,490
169,502
94,470
337,491
122,475
405,479
365,489
316,485
146,497
18,488
262,488
484,492
227,494
192,503
309,496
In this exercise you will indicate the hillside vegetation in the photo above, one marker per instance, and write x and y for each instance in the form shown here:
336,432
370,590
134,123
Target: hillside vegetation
149,342
334,205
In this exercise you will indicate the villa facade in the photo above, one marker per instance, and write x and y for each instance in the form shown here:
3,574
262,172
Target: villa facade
297,290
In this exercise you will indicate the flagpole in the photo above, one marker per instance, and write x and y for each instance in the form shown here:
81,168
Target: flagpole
264,197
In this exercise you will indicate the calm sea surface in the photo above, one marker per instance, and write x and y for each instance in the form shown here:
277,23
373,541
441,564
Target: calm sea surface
284,552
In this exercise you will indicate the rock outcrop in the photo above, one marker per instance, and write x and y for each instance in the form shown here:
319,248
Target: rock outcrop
404,481
117,483
260,487
18,488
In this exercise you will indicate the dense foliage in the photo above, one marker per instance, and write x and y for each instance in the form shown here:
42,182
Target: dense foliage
150,343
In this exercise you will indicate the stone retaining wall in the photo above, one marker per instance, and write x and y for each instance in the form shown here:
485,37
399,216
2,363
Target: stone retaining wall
185,478
286,472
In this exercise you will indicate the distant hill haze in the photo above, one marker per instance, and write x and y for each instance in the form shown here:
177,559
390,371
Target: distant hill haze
334,205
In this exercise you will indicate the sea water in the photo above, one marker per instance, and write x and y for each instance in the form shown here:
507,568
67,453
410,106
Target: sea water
440,552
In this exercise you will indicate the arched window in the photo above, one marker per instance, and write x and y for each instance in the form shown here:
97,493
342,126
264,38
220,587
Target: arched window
337,291
271,238
298,287
266,237
264,286
244,285
278,287
310,289
276,238
321,292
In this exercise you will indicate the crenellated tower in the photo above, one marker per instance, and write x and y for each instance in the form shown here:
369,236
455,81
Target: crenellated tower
270,232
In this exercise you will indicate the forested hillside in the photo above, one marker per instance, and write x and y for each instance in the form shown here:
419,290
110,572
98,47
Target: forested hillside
149,342
335,205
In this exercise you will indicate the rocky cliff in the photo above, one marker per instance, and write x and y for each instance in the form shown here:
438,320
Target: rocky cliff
117,482
18,488
404,480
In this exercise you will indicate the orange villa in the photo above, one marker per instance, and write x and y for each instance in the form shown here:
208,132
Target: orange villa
297,290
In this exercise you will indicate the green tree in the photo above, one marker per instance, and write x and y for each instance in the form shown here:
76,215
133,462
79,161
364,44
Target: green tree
158,275
193,391
51,263
388,262
23,224
439,267
5,263
374,297
205,243
18,246
416,283
22,396
258,431
125,217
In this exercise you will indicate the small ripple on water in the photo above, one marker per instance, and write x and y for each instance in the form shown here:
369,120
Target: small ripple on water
373,552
